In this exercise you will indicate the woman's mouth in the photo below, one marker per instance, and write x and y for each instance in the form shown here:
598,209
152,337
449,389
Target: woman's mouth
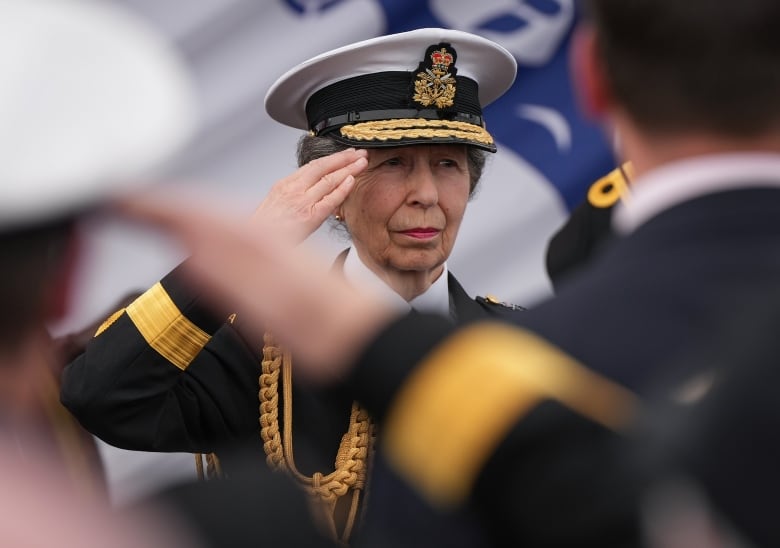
421,233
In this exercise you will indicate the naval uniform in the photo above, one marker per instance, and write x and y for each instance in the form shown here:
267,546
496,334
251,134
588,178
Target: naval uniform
164,374
532,448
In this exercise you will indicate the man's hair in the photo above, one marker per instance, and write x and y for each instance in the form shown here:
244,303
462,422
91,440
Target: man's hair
711,65
311,147
31,259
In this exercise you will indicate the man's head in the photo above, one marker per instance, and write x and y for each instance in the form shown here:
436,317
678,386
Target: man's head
694,66
92,102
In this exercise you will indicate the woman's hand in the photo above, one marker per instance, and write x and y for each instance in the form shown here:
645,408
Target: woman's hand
298,204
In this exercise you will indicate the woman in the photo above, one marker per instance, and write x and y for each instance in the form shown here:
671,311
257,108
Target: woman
396,148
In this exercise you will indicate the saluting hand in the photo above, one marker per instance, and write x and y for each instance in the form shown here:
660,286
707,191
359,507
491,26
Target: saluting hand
299,203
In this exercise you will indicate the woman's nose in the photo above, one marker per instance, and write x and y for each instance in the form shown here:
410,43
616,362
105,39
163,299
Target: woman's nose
423,190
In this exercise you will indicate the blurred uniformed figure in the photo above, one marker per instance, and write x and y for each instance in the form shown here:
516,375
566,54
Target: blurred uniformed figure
531,417
167,374
91,101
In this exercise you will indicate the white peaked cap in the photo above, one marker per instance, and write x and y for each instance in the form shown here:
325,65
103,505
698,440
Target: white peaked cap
92,101
372,83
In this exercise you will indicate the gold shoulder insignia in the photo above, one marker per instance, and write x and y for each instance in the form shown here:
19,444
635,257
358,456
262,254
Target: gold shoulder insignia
492,299
610,188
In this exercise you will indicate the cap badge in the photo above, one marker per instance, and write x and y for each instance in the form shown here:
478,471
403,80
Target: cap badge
435,83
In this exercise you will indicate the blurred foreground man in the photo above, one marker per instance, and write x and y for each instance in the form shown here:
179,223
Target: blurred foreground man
526,416
92,104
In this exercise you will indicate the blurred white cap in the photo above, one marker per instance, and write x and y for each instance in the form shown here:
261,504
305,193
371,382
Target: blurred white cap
92,101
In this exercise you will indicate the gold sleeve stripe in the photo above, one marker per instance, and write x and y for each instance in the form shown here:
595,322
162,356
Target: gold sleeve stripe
460,403
164,327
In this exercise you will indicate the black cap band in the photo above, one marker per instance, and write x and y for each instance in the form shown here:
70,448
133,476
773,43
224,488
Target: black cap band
372,115
364,97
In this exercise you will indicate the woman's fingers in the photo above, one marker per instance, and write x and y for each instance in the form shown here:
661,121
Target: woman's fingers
329,181
301,202
337,165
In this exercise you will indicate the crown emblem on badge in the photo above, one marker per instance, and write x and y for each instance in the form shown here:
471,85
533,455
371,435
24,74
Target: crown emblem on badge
441,60
435,83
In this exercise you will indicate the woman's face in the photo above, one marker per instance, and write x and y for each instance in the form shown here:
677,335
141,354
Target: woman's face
406,207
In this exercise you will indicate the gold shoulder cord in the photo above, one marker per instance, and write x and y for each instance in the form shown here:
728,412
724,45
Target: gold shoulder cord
336,496
348,479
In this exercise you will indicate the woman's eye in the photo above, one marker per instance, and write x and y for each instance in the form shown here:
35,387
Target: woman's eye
448,163
392,162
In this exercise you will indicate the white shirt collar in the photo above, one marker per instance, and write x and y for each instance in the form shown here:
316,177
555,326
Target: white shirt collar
435,300
677,182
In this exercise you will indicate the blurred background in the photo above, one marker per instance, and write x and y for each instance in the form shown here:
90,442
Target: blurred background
548,154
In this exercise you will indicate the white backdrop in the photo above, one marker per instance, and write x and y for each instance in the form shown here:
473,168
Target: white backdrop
236,49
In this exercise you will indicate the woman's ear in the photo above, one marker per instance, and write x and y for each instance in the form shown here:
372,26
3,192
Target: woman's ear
588,75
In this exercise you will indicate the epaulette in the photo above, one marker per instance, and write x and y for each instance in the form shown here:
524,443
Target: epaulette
606,191
495,301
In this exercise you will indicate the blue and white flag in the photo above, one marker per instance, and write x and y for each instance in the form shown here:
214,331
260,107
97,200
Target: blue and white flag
548,154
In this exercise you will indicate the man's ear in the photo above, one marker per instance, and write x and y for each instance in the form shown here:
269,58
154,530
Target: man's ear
588,75
63,278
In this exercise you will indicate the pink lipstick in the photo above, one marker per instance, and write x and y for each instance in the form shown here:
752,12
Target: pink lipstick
421,233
